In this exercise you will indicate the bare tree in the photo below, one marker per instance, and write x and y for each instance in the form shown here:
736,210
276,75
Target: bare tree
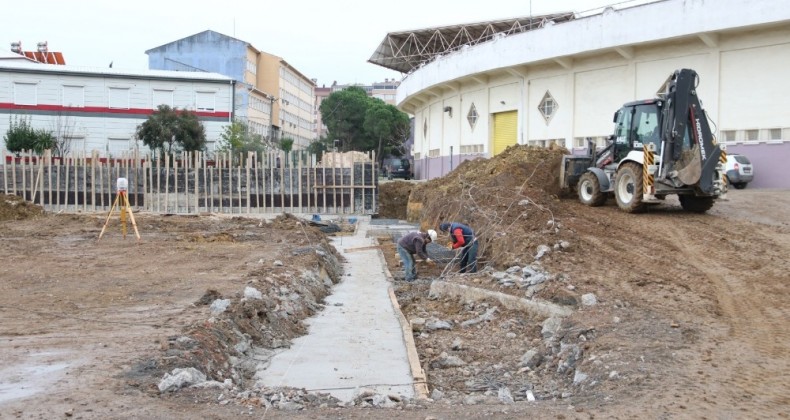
62,129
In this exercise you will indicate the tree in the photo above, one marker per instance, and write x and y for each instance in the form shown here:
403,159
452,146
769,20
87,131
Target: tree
237,139
62,129
318,147
363,123
343,113
22,136
286,144
191,133
169,130
388,126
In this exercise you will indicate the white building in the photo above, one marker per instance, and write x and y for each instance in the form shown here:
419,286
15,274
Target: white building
100,109
559,78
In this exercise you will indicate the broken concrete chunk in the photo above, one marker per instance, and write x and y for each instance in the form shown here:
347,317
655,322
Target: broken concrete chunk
180,378
219,306
252,293
589,299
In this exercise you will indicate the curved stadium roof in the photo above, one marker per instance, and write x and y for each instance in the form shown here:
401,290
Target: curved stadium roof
409,50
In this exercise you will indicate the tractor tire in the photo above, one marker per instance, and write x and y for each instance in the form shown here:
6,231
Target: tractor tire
589,190
695,204
628,188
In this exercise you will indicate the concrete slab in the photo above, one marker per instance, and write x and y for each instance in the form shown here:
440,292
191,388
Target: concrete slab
357,341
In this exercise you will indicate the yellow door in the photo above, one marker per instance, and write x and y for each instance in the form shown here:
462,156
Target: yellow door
505,124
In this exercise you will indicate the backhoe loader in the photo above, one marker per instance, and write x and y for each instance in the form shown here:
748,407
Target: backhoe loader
660,146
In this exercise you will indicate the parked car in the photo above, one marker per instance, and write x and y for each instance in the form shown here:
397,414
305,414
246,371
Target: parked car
739,171
397,168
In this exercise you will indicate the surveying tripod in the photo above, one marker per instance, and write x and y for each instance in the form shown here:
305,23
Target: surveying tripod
122,203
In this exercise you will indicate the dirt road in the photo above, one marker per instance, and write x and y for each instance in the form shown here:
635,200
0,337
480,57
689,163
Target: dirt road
692,313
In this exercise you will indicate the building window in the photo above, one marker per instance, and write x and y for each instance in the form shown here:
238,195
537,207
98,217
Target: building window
417,156
74,144
74,96
471,149
119,98
205,101
752,135
116,146
162,97
547,107
775,134
433,153
25,94
472,116
728,136
581,142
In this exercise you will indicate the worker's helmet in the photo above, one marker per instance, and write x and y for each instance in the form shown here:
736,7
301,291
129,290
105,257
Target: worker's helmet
432,234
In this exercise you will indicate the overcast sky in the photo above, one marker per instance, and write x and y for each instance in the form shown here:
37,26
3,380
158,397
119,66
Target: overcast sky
324,39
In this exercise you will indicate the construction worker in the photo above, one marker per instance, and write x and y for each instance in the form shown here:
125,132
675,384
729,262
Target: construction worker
414,243
462,237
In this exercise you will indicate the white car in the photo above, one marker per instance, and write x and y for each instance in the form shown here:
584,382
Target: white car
739,171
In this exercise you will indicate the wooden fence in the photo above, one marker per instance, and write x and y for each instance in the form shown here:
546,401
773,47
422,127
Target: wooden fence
191,183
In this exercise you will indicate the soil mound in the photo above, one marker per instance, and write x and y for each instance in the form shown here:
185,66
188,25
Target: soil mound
511,200
394,199
13,207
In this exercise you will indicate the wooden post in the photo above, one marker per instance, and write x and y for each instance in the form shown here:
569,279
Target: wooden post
353,189
66,183
219,163
167,183
299,181
282,180
272,160
160,168
238,182
314,171
24,177
5,172
49,179
255,165
57,182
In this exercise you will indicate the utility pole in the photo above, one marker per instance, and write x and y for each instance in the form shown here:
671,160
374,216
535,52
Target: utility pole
272,99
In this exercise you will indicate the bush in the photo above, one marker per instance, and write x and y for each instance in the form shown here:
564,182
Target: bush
21,136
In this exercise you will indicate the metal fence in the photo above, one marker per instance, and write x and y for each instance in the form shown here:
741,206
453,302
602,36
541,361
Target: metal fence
191,183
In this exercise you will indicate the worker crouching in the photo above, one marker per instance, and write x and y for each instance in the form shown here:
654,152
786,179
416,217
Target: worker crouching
414,243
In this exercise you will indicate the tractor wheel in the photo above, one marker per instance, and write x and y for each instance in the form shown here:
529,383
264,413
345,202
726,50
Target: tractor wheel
589,190
695,204
628,188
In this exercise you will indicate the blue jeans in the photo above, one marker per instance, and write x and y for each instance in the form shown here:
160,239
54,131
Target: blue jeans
409,270
469,258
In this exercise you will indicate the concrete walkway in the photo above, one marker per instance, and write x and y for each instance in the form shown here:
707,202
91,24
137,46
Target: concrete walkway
357,341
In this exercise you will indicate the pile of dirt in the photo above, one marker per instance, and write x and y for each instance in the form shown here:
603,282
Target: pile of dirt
640,298
510,200
394,199
13,207
249,324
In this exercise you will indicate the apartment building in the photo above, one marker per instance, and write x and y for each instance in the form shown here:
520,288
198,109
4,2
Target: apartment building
273,97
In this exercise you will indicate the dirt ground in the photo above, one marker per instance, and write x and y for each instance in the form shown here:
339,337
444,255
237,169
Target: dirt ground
690,319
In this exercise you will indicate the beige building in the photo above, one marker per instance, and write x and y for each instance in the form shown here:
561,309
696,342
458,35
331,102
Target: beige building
272,96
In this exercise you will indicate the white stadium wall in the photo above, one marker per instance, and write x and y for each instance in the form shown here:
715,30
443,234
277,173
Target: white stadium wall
740,52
